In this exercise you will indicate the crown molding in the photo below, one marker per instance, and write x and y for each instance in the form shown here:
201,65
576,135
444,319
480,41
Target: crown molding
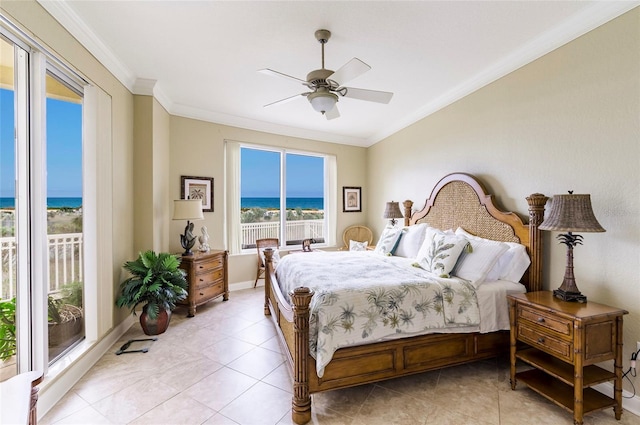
70,20
264,126
591,18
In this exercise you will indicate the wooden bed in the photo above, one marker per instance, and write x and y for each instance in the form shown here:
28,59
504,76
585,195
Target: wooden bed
458,200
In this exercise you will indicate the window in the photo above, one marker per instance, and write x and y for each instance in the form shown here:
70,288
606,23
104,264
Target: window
278,193
42,208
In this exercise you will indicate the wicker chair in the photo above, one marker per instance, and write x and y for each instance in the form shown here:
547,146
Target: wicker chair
261,244
357,233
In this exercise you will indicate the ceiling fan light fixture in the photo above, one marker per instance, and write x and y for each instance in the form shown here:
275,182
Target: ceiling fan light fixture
322,101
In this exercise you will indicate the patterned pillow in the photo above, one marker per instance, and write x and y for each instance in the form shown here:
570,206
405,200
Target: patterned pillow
440,251
388,241
358,246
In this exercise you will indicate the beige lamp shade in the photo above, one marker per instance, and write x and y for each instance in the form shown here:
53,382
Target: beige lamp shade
187,209
392,210
571,213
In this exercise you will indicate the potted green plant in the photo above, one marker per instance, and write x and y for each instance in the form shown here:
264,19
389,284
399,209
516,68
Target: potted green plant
158,283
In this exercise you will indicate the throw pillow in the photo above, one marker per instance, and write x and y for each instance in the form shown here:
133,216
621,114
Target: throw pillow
388,240
440,251
358,246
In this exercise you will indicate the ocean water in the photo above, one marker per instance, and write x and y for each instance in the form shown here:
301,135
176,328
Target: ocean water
292,203
267,203
51,202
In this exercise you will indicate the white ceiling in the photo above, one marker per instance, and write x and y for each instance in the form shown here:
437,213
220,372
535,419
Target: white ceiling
199,58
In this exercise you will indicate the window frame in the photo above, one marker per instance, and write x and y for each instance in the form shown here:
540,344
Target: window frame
232,232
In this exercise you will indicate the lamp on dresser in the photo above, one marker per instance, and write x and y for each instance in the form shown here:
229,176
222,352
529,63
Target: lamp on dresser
187,209
392,211
570,213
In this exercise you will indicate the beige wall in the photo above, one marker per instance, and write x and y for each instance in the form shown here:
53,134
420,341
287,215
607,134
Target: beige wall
197,149
151,181
568,121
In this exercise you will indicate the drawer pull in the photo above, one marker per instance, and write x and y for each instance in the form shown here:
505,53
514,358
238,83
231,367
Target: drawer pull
540,340
201,293
540,320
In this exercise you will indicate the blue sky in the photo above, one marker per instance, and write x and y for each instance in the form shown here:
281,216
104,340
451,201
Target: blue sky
64,147
260,175
260,169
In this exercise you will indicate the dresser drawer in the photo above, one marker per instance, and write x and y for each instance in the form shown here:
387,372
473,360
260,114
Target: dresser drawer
546,320
555,346
208,265
206,279
209,292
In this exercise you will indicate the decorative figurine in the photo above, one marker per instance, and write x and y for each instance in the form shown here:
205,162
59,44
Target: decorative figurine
188,240
204,240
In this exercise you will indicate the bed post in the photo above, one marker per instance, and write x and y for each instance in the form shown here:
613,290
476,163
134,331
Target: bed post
536,202
268,265
407,211
301,402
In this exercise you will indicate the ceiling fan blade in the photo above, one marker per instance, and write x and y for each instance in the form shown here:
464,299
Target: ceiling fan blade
333,113
369,95
271,72
352,69
286,99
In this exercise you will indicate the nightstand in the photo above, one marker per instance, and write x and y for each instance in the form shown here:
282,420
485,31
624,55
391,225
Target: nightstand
207,278
563,341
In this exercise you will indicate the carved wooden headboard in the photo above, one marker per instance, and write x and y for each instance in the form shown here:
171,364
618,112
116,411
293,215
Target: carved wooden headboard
460,200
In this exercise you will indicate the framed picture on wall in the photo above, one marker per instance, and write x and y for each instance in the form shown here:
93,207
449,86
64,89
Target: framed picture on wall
351,199
198,188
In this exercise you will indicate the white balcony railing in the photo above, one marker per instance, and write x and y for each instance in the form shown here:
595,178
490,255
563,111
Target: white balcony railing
66,251
65,262
295,231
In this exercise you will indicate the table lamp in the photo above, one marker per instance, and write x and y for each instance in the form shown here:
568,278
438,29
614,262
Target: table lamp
570,213
187,209
392,211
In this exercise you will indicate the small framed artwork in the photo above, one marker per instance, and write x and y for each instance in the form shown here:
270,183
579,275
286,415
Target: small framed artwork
198,188
351,199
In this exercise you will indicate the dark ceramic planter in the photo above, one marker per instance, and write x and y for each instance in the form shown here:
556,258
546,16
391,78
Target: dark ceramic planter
156,326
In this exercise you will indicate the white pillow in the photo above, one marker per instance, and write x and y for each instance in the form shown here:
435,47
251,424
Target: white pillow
411,241
440,251
358,246
388,240
511,265
475,264
517,265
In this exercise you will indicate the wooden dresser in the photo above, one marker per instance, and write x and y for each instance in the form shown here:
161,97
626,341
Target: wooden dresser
563,341
207,278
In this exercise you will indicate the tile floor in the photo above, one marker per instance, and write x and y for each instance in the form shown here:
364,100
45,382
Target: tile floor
224,366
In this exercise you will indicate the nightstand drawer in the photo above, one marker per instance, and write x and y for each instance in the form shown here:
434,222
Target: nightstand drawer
206,279
544,342
210,291
206,266
546,320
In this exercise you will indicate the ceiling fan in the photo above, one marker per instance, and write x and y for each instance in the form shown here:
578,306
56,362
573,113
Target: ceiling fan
326,86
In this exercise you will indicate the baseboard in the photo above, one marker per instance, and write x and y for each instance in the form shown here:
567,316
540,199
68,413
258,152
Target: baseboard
630,402
244,285
61,378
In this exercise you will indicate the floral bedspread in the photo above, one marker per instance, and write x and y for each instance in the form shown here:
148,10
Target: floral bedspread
362,297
